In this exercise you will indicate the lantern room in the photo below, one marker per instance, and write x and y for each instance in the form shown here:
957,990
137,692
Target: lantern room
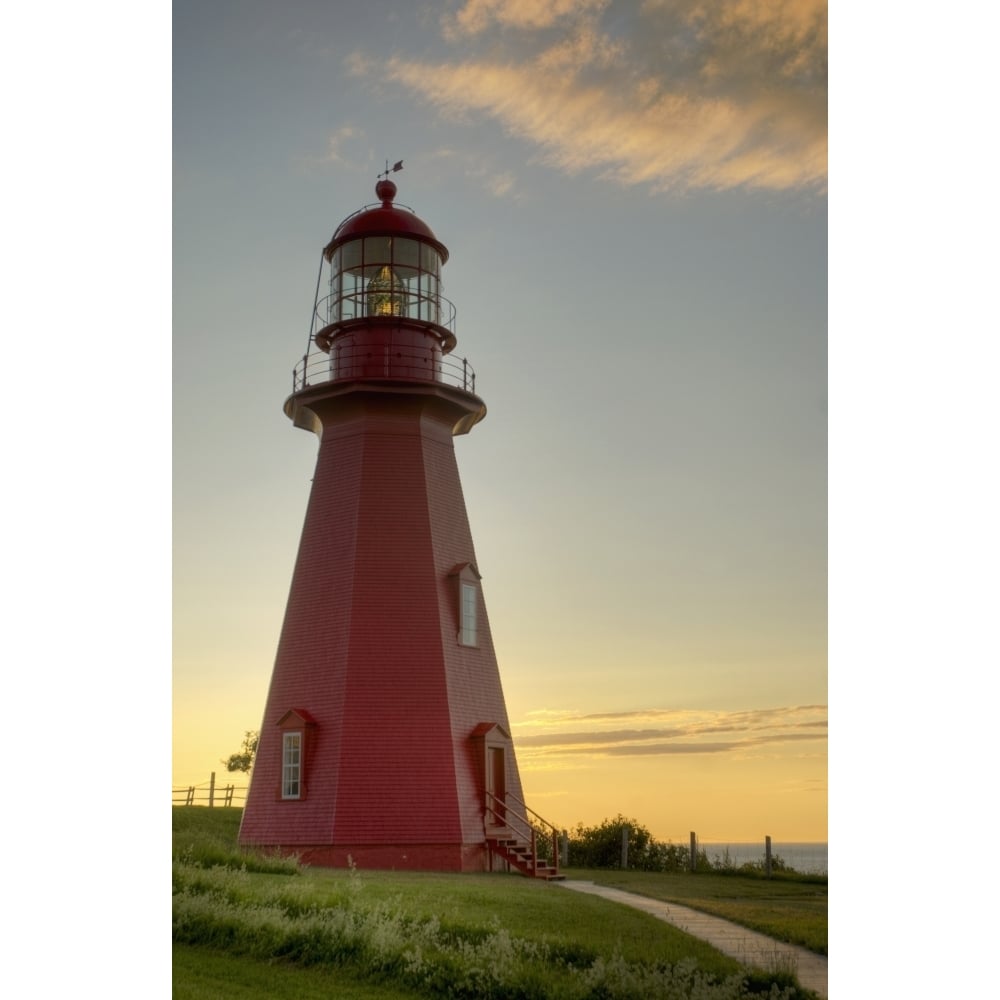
384,262
383,314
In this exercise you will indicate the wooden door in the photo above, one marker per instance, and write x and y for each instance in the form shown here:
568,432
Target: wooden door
496,782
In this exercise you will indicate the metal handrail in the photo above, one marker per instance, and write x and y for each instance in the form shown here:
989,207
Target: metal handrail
430,308
317,368
493,801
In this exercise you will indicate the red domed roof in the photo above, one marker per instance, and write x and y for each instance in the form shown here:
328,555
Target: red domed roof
384,220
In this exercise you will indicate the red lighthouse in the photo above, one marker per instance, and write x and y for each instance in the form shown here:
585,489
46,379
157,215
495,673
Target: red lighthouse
385,738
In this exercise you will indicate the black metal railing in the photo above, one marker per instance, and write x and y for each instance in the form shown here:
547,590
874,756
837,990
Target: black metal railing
383,361
411,303
501,812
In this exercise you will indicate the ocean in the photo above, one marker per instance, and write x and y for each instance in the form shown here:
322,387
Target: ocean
805,858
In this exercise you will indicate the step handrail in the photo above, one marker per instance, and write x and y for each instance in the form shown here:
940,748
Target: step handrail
501,809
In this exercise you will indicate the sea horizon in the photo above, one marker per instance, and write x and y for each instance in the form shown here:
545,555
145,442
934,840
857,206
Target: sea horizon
806,856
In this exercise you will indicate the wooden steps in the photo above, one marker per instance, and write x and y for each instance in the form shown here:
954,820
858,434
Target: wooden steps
504,844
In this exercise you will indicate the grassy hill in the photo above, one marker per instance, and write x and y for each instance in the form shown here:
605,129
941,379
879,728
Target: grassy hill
249,926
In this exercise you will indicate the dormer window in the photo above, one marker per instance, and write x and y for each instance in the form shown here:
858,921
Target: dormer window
466,578
291,765
298,731
470,601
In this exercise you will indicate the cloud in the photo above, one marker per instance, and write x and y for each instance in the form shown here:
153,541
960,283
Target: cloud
337,141
784,38
567,739
691,732
496,181
500,184
476,16
681,94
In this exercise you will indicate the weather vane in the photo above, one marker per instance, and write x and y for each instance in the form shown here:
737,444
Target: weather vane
398,165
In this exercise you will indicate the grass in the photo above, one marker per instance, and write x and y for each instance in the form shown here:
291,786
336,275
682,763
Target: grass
252,926
206,974
788,908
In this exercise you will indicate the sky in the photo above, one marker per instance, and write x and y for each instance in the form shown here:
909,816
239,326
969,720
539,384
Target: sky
634,197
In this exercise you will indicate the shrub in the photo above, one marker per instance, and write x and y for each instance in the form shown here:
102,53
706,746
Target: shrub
601,847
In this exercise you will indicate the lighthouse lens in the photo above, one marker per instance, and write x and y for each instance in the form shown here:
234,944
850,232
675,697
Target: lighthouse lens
386,294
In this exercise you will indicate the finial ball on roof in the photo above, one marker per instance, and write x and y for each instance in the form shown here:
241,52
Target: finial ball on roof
385,190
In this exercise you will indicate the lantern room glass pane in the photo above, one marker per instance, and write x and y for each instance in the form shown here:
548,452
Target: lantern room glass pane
430,308
429,259
378,250
353,292
407,274
405,253
335,297
350,256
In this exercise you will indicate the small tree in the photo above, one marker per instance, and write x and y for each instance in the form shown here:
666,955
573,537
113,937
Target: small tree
243,760
601,846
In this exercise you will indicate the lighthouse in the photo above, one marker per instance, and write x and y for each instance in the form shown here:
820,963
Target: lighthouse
385,741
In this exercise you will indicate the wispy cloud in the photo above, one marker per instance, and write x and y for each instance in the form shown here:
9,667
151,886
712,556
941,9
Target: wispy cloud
550,734
483,169
677,94
344,135
475,16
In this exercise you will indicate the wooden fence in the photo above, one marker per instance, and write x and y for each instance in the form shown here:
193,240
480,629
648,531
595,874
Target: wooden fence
693,852
209,794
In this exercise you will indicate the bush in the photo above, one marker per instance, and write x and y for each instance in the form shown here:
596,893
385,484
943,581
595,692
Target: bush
601,846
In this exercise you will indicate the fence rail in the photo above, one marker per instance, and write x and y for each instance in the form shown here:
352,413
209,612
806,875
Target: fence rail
209,793
805,858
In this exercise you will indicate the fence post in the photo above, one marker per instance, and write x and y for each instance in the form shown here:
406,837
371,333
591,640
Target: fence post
694,852
767,856
565,849
190,796
624,848
211,791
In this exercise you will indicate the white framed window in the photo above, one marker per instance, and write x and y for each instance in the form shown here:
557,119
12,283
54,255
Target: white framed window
291,765
469,603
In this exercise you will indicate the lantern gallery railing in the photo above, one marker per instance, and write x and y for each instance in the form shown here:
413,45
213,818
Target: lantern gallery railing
383,361
385,295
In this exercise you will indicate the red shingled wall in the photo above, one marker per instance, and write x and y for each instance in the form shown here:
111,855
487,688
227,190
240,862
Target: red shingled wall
369,648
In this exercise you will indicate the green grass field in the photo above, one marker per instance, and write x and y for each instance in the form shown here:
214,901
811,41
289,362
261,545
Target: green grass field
250,927
787,908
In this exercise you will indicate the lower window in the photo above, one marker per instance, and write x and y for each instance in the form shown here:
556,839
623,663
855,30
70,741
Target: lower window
291,765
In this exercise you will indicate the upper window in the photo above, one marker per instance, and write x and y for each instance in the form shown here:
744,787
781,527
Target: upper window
466,590
470,601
